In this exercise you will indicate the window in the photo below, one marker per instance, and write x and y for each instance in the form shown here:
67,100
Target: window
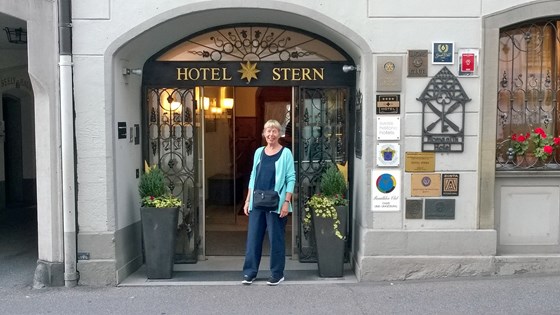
528,93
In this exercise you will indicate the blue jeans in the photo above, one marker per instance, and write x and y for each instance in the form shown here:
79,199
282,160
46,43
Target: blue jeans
259,222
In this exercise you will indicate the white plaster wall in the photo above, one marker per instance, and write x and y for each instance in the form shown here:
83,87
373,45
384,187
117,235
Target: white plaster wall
42,28
125,35
419,8
492,6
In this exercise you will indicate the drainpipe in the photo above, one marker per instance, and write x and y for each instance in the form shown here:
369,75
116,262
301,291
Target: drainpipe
67,142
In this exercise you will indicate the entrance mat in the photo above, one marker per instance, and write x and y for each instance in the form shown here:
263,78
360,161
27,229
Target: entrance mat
232,243
181,278
227,271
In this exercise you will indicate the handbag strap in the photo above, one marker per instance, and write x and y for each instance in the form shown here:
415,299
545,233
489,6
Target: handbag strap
259,167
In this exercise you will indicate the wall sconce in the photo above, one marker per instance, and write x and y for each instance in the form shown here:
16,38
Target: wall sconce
206,103
348,68
227,103
227,97
127,71
16,35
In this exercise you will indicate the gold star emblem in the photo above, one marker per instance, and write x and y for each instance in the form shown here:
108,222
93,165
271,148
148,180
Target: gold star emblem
249,71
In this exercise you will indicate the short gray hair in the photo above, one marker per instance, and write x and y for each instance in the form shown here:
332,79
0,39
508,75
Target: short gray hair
273,124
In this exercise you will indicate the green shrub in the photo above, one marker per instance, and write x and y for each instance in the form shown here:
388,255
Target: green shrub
152,183
154,192
333,185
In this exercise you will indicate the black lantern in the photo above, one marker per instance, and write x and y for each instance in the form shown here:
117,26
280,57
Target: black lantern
16,35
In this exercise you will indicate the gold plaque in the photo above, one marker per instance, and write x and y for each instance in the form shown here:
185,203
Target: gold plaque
420,162
425,185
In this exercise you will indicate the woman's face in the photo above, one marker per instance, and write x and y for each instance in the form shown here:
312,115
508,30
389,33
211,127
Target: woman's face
271,135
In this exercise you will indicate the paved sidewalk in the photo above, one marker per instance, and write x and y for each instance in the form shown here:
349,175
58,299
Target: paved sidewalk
490,295
523,294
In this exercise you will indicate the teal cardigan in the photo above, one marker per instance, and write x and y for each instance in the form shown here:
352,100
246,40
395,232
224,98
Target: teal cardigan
285,176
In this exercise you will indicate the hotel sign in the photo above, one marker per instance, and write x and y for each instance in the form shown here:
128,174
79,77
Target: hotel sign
247,73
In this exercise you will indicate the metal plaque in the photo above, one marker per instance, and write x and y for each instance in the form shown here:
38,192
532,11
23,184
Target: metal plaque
440,209
420,162
413,209
417,63
425,185
389,74
388,104
450,184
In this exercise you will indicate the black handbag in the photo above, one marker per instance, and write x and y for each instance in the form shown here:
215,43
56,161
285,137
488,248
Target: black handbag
264,199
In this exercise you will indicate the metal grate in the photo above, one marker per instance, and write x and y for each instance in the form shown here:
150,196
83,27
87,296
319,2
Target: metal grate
527,93
171,139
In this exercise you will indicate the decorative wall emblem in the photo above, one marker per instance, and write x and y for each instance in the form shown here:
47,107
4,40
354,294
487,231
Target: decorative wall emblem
443,113
249,71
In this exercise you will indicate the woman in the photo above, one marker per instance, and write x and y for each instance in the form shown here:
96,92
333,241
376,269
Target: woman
273,169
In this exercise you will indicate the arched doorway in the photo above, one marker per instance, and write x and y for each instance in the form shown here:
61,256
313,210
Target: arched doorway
204,142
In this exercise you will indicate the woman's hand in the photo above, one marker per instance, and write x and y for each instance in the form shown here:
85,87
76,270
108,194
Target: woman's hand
246,208
285,209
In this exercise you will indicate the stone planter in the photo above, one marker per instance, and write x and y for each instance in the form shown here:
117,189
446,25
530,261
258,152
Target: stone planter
159,230
330,248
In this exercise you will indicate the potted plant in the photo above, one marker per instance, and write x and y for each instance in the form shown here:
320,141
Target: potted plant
327,212
159,212
533,147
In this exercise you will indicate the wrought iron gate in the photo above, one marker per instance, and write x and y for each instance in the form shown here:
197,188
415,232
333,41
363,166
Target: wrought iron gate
322,140
172,138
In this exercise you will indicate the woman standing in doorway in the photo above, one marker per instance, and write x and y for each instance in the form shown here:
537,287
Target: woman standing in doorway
273,169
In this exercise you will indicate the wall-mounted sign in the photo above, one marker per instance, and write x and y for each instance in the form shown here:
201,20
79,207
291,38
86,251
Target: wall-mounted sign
386,190
420,162
425,185
443,52
389,74
417,63
388,127
468,62
450,184
440,209
388,154
263,73
413,208
443,113
388,104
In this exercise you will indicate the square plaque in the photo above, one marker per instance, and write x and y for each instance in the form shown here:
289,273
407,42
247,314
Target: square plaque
440,209
417,63
413,209
450,184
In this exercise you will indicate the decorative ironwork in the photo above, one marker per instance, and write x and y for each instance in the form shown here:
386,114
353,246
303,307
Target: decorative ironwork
528,91
358,121
443,113
254,43
322,141
171,143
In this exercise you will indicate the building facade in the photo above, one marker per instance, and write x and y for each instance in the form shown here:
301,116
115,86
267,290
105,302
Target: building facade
418,101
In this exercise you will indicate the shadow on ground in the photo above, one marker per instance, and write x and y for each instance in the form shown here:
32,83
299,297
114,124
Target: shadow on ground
18,246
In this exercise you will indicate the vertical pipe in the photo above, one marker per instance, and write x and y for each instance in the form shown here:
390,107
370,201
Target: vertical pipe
67,143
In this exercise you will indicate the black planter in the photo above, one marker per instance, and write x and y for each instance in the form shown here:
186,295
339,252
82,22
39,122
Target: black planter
159,230
330,248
